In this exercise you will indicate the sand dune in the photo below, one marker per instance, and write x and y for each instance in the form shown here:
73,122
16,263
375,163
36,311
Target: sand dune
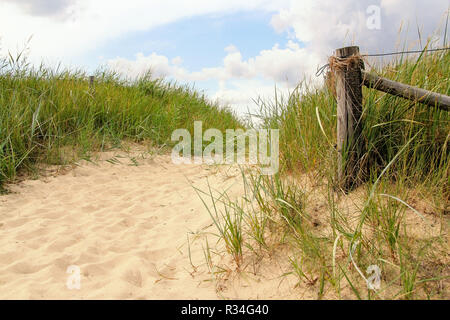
125,226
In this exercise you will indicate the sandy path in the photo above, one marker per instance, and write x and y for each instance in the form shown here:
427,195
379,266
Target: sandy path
124,226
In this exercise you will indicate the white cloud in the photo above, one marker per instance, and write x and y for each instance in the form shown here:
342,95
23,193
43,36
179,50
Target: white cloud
159,65
90,24
177,61
231,49
241,94
44,7
283,65
325,25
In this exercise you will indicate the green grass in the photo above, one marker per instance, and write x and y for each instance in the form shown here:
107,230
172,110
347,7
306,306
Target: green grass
49,116
404,176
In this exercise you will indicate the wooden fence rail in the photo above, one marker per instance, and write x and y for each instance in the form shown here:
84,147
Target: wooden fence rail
350,77
423,96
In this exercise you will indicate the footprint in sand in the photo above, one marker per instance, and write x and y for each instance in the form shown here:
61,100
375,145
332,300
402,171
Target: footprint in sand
22,267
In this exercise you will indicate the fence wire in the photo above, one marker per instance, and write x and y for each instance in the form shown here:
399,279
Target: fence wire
322,69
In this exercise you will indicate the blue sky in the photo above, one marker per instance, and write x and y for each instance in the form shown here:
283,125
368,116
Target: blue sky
234,51
200,41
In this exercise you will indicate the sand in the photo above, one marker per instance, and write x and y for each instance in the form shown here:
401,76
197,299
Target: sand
131,223
134,227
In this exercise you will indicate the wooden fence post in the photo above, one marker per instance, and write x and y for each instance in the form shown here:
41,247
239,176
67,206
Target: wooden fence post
91,83
349,108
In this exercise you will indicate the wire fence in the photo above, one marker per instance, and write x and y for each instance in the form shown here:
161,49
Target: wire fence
322,69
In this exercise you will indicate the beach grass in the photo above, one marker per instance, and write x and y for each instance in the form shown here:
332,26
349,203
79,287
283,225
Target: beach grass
54,116
394,220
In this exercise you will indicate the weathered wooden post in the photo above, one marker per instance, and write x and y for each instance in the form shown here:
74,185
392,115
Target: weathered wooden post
347,71
91,83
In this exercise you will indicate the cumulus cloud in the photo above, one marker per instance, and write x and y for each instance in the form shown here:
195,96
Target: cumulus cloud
324,25
241,82
43,7
244,95
158,65
93,23
280,65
